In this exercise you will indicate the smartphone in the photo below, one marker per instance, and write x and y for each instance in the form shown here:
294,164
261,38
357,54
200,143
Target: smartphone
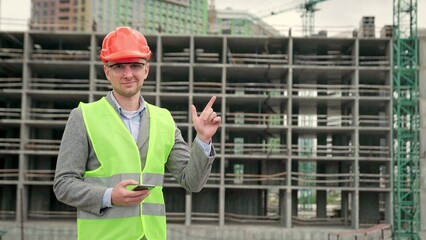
148,187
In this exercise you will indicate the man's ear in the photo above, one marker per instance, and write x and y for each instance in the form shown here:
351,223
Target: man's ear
107,71
147,69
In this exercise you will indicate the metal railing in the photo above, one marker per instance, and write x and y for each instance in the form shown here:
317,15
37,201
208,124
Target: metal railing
11,53
304,179
9,174
255,148
245,218
256,179
321,120
374,61
11,83
10,113
52,214
10,144
367,90
374,151
59,84
53,54
254,88
49,114
180,116
43,144
39,174
329,90
256,58
323,151
366,180
374,121
324,60
207,87
256,118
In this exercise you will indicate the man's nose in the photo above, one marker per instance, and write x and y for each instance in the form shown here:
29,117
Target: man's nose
127,70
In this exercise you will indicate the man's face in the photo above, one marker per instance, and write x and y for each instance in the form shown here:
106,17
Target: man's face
127,75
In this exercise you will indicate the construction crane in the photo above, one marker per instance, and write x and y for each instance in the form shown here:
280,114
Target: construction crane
406,150
308,8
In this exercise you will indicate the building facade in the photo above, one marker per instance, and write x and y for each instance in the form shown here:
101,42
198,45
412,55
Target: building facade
306,138
148,16
236,22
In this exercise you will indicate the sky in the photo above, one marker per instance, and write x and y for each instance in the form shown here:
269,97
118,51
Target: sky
334,15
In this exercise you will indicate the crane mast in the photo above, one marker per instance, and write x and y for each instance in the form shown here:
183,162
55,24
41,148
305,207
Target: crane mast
406,142
308,16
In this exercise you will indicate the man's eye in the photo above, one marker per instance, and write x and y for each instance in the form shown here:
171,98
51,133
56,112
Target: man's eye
118,66
136,65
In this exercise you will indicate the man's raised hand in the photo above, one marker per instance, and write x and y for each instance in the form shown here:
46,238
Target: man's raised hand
207,123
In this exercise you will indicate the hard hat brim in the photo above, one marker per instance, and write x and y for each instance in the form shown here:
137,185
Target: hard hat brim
126,54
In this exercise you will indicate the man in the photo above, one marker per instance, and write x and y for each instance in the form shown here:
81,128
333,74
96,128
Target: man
121,141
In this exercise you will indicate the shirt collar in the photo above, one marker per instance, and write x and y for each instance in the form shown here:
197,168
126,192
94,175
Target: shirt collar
120,109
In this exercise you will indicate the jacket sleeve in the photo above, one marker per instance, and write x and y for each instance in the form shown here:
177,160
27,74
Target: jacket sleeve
191,169
71,165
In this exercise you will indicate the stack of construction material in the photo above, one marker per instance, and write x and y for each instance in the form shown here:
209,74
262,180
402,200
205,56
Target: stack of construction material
386,31
367,27
322,33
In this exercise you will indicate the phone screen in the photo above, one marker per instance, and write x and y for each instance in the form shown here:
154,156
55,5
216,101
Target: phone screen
148,187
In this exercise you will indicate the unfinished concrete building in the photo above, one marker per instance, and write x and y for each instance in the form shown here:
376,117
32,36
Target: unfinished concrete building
305,140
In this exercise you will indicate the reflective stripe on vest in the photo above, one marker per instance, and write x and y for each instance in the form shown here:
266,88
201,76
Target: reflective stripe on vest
119,159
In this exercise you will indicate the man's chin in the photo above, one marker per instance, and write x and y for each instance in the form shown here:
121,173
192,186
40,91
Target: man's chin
128,92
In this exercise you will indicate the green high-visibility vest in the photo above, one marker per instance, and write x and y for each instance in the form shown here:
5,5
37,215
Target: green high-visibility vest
119,159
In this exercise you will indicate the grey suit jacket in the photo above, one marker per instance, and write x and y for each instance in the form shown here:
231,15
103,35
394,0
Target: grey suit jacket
190,168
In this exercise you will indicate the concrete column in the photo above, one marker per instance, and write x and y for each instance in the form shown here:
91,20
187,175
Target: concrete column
344,212
354,209
388,207
294,203
21,193
158,75
290,165
188,208
321,198
355,195
222,145
93,61
321,204
369,207
284,210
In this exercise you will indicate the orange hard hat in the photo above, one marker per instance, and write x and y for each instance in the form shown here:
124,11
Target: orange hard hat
124,43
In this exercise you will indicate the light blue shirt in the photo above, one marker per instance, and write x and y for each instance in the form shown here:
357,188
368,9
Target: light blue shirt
132,120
